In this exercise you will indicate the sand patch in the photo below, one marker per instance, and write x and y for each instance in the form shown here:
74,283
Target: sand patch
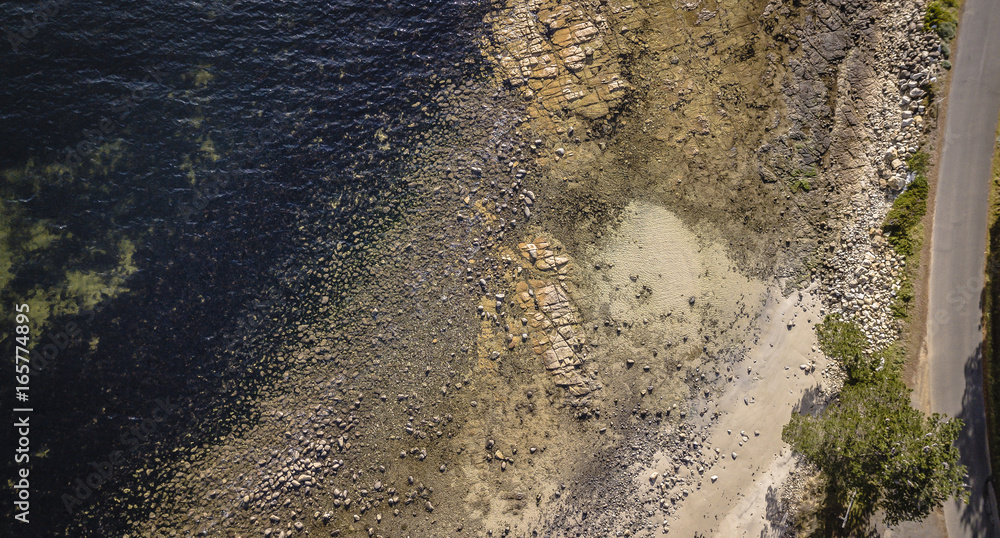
744,498
667,289
652,265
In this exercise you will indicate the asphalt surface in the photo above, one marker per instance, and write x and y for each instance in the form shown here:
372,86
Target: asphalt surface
954,328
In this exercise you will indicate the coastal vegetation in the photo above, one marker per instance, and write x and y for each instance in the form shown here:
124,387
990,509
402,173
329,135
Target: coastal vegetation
81,266
903,220
875,451
942,17
991,313
801,185
877,454
427,370
904,231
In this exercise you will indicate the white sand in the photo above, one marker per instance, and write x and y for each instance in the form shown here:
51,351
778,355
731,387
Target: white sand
736,504
655,246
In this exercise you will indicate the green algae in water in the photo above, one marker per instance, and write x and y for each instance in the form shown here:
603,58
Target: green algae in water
79,291
42,262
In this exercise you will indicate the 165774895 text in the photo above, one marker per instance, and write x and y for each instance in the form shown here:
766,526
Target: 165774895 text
22,412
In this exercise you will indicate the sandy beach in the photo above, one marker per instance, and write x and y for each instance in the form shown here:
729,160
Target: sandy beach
783,373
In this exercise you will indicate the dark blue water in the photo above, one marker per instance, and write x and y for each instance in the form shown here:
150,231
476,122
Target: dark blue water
216,137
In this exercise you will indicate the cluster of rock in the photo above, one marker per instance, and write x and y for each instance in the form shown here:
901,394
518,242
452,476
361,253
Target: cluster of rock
923,54
833,95
290,475
863,282
302,477
566,55
821,43
684,456
864,275
565,58
554,322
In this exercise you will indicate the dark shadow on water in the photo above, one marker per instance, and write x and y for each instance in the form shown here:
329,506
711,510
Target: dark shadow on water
215,293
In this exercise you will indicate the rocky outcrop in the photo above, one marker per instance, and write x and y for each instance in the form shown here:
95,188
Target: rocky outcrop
556,334
565,56
884,96
841,103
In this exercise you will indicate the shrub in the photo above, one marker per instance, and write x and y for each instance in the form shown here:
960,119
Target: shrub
940,17
900,306
947,30
876,449
905,214
918,162
801,185
843,341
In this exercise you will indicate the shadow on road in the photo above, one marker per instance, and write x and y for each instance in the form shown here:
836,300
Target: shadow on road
976,515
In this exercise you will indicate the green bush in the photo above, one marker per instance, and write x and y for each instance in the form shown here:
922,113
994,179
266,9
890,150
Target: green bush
900,306
947,30
940,17
932,90
918,162
877,450
905,215
843,341
801,185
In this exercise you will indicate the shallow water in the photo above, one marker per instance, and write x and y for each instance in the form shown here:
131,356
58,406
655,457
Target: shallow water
171,167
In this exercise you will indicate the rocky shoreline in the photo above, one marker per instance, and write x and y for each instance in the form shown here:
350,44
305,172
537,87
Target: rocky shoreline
863,277
519,356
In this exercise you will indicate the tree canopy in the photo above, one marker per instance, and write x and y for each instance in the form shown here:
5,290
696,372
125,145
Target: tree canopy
872,443
843,341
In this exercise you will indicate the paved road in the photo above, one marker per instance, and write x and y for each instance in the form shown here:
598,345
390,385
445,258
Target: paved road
957,255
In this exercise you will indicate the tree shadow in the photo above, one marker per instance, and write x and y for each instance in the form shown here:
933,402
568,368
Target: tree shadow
776,514
811,402
978,514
